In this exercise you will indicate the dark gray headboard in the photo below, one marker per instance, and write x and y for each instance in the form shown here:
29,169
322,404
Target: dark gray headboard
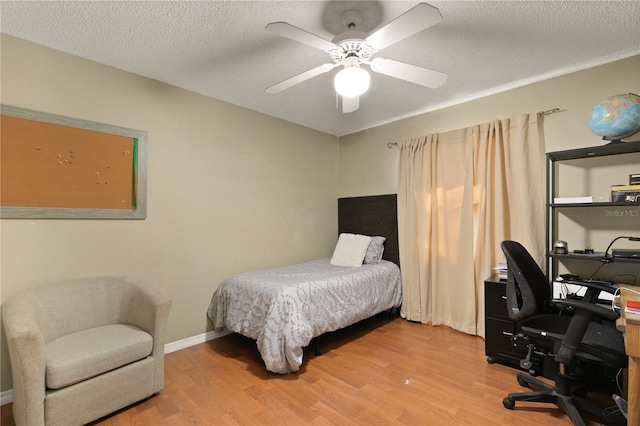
372,215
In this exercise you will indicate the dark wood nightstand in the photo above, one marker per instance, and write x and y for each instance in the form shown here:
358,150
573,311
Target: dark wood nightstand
501,346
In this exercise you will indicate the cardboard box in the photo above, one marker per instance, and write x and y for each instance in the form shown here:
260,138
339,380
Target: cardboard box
625,194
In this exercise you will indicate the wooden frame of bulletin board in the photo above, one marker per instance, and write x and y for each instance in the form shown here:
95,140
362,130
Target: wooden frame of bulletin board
56,167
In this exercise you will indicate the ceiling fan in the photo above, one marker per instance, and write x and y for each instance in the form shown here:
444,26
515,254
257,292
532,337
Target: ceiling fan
353,47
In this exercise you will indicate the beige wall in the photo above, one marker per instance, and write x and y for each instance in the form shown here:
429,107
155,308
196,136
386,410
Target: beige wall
228,189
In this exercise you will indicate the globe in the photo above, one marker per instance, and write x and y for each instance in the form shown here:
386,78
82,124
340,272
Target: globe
616,117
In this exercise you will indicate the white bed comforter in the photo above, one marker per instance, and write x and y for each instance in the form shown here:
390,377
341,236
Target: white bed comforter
284,308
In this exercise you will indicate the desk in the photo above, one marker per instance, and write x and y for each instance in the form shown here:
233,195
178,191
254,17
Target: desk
629,324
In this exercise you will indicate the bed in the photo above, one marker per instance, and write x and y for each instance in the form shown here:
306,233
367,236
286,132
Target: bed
284,308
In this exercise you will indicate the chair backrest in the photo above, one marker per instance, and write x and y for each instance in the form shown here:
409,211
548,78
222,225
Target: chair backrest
528,292
69,306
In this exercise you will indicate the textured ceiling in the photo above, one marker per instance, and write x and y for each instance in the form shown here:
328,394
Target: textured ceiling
220,48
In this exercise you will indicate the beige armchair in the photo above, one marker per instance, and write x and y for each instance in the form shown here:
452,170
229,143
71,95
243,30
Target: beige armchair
84,348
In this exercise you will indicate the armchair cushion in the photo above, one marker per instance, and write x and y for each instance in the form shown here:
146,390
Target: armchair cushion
88,353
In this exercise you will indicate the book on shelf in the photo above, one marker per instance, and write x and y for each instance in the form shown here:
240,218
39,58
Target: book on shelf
634,188
633,307
501,269
625,193
573,200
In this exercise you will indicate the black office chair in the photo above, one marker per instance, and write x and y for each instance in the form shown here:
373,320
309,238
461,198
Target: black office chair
587,336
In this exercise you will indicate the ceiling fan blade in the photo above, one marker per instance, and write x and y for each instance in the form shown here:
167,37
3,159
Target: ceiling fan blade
294,33
296,79
350,104
414,20
412,73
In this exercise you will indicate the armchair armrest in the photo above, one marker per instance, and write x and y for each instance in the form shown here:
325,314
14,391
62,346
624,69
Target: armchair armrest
26,350
146,307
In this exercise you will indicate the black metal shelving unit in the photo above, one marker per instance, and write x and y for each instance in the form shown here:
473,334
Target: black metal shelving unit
614,148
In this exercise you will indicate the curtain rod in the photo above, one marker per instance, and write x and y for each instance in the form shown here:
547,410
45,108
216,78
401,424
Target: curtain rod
551,111
547,112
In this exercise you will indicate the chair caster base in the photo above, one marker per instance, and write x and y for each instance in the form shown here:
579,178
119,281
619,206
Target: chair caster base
508,403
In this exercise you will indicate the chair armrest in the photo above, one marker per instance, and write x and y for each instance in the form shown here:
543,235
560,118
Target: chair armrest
146,307
590,307
602,286
595,285
26,350
583,315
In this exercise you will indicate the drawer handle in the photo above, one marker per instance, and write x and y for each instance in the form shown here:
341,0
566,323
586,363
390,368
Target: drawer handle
507,333
503,297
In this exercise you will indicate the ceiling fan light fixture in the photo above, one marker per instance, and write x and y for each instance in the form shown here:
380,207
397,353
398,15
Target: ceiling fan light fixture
353,47
352,81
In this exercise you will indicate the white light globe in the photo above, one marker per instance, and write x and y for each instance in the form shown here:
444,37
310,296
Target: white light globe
352,81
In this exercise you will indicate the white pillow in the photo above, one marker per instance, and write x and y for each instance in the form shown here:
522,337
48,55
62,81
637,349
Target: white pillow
350,250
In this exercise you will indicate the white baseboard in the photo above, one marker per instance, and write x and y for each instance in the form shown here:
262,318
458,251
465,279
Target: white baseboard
194,340
6,397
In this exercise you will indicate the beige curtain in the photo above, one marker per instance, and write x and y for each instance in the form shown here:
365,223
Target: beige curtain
460,194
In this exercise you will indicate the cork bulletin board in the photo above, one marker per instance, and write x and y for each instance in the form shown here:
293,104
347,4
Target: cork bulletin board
59,167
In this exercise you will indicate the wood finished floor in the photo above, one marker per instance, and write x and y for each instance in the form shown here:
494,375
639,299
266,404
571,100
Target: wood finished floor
377,372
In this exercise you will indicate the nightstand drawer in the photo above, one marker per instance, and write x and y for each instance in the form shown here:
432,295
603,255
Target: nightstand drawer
499,336
495,300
